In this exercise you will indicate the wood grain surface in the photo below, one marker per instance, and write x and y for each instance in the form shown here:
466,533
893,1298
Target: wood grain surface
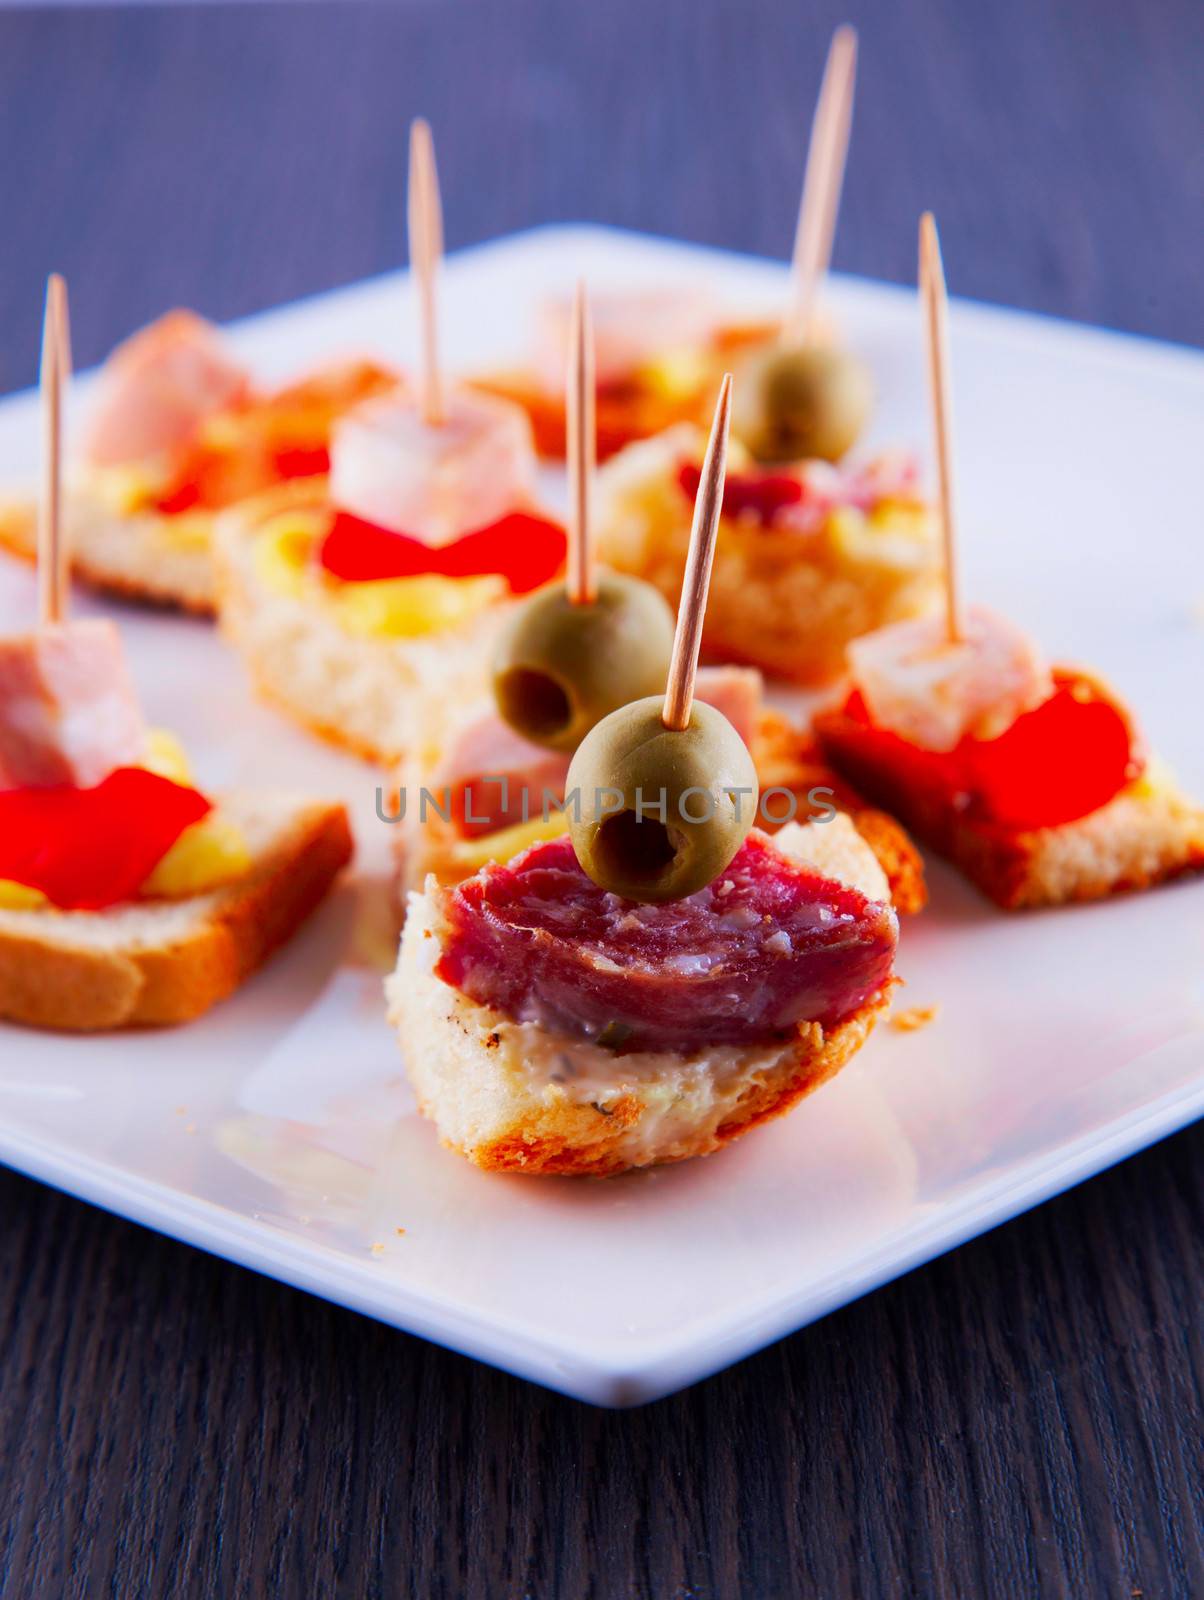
1020,1419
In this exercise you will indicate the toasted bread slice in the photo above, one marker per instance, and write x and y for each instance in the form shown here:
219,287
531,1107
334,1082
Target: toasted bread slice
138,555
497,1091
158,962
425,842
1150,833
781,600
363,694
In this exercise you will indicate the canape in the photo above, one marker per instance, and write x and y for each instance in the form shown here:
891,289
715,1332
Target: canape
664,977
810,555
178,433
1033,779
550,1028
127,896
356,597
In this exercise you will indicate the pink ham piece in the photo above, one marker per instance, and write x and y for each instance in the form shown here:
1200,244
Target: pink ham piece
932,693
390,467
68,710
489,769
631,328
157,388
737,692
769,945
487,751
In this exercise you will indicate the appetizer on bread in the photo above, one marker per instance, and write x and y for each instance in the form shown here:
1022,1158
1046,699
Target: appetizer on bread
551,1028
178,433
354,597
666,976
127,896
810,555
1031,778
661,348
812,551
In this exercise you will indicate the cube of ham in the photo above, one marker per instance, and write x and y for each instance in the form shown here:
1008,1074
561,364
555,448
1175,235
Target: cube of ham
157,388
737,692
434,483
69,713
934,693
631,326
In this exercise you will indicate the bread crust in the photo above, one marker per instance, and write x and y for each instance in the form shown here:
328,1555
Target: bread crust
148,572
573,1141
1149,834
51,977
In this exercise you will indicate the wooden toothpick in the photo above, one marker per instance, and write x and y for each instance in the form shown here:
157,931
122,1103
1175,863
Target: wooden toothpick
683,665
55,368
582,452
936,325
822,183
425,225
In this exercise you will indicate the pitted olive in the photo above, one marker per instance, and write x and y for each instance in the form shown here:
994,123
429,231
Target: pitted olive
560,667
655,813
794,402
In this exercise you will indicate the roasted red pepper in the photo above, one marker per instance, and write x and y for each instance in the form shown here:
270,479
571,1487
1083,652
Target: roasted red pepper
524,549
87,849
765,494
219,481
1060,761
274,438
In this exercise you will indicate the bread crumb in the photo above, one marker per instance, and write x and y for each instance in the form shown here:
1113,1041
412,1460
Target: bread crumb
378,1249
913,1018
190,1128
400,1231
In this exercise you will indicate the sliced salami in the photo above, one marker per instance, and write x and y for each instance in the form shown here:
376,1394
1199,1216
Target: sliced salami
770,944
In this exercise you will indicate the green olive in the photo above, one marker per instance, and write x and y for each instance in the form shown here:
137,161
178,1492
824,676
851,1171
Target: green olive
559,668
793,402
657,814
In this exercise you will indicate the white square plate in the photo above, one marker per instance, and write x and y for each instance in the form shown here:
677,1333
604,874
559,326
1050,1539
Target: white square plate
280,1131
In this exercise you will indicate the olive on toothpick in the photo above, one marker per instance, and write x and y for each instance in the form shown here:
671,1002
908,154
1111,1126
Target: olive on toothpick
801,402
662,793
798,399
575,651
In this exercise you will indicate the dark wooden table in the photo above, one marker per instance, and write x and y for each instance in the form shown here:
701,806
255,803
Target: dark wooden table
1020,1419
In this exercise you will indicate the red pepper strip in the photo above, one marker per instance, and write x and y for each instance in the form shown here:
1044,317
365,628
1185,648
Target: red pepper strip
765,495
87,849
288,461
524,549
184,498
301,461
1060,761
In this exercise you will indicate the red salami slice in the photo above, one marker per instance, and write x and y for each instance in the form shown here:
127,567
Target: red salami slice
769,944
